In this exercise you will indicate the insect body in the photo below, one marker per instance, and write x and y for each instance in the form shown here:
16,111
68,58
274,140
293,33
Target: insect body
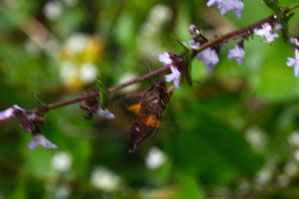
149,112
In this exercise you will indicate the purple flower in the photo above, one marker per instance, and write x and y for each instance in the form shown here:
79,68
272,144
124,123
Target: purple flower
194,44
165,58
40,139
29,123
172,59
295,41
174,76
267,32
278,26
237,53
228,5
209,57
294,62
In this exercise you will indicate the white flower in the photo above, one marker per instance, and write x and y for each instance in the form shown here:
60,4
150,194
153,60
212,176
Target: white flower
266,32
264,176
194,44
237,53
174,76
228,5
296,155
53,9
68,70
293,139
290,168
209,57
160,14
256,138
76,43
62,161
105,113
155,158
294,62
104,179
88,72
40,139
164,58
63,192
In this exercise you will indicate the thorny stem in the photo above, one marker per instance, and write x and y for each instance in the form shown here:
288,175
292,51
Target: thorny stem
219,40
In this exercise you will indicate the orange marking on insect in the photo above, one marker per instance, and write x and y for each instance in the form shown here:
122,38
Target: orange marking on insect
135,108
152,121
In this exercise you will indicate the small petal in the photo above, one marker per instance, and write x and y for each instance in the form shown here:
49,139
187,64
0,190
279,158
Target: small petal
297,54
165,58
174,77
295,41
40,139
194,44
193,30
237,53
209,57
291,61
7,113
105,113
294,62
278,26
212,2
10,112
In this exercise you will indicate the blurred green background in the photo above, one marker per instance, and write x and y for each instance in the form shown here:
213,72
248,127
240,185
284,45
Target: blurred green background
234,134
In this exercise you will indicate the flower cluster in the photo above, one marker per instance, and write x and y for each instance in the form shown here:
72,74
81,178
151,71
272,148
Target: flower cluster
78,58
210,55
174,62
228,5
267,32
198,38
294,61
29,122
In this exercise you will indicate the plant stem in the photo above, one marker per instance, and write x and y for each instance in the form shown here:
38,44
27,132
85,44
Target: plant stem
223,39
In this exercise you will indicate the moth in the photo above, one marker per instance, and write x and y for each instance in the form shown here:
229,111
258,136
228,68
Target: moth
149,112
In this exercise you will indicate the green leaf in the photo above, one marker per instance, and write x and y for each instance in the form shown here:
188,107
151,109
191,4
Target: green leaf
37,99
187,54
188,186
182,43
102,93
212,149
187,65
